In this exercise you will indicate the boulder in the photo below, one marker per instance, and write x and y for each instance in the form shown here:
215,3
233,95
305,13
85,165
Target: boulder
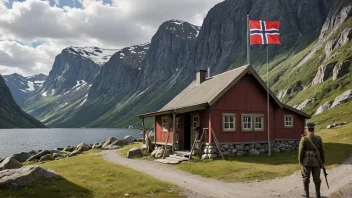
205,151
323,107
212,156
239,147
240,153
257,146
47,157
234,151
225,153
38,155
56,155
343,98
68,149
1,159
54,151
108,141
129,139
225,146
275,150
82,146
112,147
261,151
246,148
75,152
324,72
212,151
253,152
21,157
59,149
118,143
153,153
133,152
304,104
341,69
204,156
24,176
10,163
32,152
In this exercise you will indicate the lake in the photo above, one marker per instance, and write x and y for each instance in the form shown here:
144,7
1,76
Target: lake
18,140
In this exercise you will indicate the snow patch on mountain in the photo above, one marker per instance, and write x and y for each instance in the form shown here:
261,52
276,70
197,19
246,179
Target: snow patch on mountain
96,54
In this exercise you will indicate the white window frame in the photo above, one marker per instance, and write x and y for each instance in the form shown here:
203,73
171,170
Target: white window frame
255,116
224,129
242,123
198,121
178,126
164,125
285,122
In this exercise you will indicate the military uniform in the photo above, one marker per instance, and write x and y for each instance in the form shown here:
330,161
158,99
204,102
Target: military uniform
308,159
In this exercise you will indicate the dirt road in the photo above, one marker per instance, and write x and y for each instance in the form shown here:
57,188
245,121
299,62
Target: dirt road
197,186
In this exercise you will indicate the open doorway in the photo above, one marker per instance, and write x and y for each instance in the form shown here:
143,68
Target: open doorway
187,132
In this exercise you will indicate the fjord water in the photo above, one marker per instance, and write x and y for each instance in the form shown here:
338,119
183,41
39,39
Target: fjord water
18,140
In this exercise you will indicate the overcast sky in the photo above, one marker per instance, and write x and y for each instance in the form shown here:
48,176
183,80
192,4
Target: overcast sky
33,32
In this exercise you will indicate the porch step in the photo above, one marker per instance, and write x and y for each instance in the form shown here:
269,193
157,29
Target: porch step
178,158
168,160
185,154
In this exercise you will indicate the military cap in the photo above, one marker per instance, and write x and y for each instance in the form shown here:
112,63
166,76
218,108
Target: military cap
310,125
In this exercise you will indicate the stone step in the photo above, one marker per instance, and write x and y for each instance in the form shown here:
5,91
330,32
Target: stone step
168,160
178,157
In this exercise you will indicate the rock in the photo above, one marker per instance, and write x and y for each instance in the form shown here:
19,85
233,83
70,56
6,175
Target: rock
112,147
129,139
160,152
204,156
253,152
21,157
59,149
234,150
323,107
257,146
24,176
119,143
239,147
38,155
56,155
108,141
10,163
246,148
75,152
212,151
341,69
212,156
343,98
275,150
291,141
324,72
32,152
133,152
47,157
205,151
240,153
305,103
261,151
1,159
225,146
154,153
144,148
82,146
344,37
68,149
225,153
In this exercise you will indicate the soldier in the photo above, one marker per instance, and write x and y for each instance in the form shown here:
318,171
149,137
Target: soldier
309,156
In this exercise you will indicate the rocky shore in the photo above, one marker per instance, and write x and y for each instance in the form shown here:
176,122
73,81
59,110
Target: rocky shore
14,175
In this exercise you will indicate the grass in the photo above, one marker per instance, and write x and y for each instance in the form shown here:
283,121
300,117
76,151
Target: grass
337,143
91,176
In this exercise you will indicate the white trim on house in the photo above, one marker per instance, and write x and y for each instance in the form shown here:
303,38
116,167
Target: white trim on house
228,122
251,123
195,123
164,124
288,123
261,123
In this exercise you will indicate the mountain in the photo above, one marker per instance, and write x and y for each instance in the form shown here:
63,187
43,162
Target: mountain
310,69
11,115
23,87
67,86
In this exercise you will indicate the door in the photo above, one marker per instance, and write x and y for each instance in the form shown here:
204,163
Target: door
187,132
195,124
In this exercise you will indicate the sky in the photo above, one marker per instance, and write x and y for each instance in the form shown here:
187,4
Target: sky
33,32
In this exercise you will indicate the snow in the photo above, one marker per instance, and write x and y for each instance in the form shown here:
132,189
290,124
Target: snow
30,85
39,81
86,96
97,55
44,94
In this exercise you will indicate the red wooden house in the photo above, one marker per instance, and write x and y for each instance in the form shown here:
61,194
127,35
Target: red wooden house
234,105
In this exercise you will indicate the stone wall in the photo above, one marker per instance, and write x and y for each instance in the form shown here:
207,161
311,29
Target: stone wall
210,151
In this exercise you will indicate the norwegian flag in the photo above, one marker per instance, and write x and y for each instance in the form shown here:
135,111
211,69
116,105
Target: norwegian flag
264,32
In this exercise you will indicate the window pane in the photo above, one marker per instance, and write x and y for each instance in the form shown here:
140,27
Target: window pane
226,118
231,126
226,125
231,118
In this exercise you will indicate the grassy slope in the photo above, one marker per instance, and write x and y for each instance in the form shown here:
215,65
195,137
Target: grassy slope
91,176
337,143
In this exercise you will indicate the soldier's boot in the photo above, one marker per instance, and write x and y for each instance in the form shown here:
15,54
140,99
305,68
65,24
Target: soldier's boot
306,188
317,189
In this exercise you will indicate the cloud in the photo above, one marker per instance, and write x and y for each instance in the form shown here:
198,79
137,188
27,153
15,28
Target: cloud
118,24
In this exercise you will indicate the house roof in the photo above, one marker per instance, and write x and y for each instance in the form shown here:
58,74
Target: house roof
199,96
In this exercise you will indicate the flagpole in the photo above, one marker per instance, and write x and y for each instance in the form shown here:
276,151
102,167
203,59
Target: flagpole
248,42
268,110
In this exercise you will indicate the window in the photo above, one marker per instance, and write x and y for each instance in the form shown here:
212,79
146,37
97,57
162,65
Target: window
288,121
228,122
164,124
246,122
195,122
252,122
177,124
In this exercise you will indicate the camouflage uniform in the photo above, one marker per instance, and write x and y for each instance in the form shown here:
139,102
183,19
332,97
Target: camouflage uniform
309,161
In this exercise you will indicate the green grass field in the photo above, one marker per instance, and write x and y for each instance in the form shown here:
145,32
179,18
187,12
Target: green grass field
337,143
90,176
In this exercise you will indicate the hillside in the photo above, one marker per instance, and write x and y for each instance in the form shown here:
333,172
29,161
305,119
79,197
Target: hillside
11,115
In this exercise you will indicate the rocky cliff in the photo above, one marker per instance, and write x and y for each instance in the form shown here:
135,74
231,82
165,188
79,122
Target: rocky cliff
11,115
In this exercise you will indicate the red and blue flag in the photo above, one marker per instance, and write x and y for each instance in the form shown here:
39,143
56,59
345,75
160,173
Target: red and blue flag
264,32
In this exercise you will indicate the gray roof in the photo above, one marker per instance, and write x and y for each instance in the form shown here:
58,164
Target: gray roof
209,91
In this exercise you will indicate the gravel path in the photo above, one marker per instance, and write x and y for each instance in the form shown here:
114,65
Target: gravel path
197,186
